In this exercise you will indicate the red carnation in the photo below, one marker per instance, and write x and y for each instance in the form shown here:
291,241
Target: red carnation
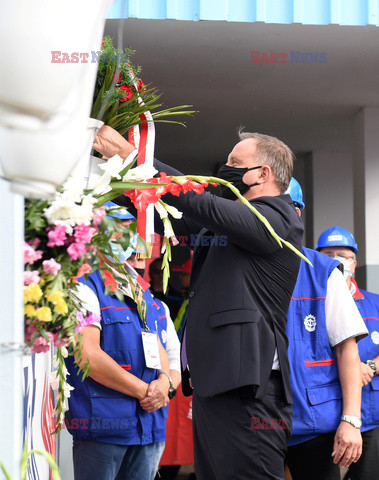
128,93
140,85
119,78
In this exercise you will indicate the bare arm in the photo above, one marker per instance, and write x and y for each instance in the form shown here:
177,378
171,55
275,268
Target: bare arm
105,370
348,440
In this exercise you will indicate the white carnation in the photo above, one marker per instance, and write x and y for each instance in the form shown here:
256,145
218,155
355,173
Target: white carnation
61,211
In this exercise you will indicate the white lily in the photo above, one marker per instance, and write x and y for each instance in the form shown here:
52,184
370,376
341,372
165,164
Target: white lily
140,173
168,231
173,211
100,184
54,380
67,390
161,210
113,166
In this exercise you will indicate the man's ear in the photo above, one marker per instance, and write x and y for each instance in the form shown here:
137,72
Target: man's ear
265,173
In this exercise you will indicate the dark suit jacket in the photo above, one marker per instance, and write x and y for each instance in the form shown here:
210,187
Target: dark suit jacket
241,286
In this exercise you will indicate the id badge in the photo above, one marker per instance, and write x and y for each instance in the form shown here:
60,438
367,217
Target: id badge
151,350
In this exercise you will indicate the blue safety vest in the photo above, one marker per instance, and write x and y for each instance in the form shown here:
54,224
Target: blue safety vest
99,413
316,390
368,306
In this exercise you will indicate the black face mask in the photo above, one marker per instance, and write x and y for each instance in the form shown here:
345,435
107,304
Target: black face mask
140,271
234,175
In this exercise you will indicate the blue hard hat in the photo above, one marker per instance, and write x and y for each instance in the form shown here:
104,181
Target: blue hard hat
337,237
296,193
122,214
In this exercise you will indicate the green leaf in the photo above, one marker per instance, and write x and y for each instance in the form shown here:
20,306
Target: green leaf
5,472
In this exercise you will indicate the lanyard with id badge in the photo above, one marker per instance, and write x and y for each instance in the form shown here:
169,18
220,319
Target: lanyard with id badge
149,338
150,347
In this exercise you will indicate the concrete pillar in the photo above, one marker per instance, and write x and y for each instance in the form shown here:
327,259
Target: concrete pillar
366,196
12,327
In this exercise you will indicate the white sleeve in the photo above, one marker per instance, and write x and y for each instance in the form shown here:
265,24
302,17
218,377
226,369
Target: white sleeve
89,300
172,343
343,320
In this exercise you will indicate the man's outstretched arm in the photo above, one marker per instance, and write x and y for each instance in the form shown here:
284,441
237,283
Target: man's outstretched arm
348,440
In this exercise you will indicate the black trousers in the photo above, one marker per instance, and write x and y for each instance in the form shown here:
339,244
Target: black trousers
237,437
312,460
367,467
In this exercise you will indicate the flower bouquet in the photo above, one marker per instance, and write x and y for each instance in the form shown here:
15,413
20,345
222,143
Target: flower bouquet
121,98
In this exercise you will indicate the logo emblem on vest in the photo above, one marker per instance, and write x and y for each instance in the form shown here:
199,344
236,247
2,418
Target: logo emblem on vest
375,337
164,336
310,323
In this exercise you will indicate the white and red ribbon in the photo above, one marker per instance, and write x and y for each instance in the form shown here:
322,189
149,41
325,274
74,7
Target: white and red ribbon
143,138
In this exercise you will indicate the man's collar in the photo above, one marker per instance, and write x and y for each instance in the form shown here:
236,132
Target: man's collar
357,294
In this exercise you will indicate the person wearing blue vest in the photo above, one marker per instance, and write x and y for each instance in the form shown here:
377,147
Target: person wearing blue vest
117,415
323,327
339,242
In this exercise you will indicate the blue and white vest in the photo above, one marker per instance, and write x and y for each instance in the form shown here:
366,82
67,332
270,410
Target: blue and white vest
368,306
99,413
317,394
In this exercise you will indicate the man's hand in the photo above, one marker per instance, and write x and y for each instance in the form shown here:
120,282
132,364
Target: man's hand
157,395
367,374
347,446
108,142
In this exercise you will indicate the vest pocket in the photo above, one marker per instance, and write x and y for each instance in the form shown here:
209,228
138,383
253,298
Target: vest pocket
324,393
325,407
113,413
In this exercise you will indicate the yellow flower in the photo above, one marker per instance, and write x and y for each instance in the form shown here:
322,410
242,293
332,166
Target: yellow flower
43,314
32,293
56,297
60,307
29,311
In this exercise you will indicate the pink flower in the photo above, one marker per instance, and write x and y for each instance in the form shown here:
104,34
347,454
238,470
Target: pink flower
63,342
31,255
51,266
35,242
85,321
76,250
57,237
40,344
31,277
98,215
84,233
30,331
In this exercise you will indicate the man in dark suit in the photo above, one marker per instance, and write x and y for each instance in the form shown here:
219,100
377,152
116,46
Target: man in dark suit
235,346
